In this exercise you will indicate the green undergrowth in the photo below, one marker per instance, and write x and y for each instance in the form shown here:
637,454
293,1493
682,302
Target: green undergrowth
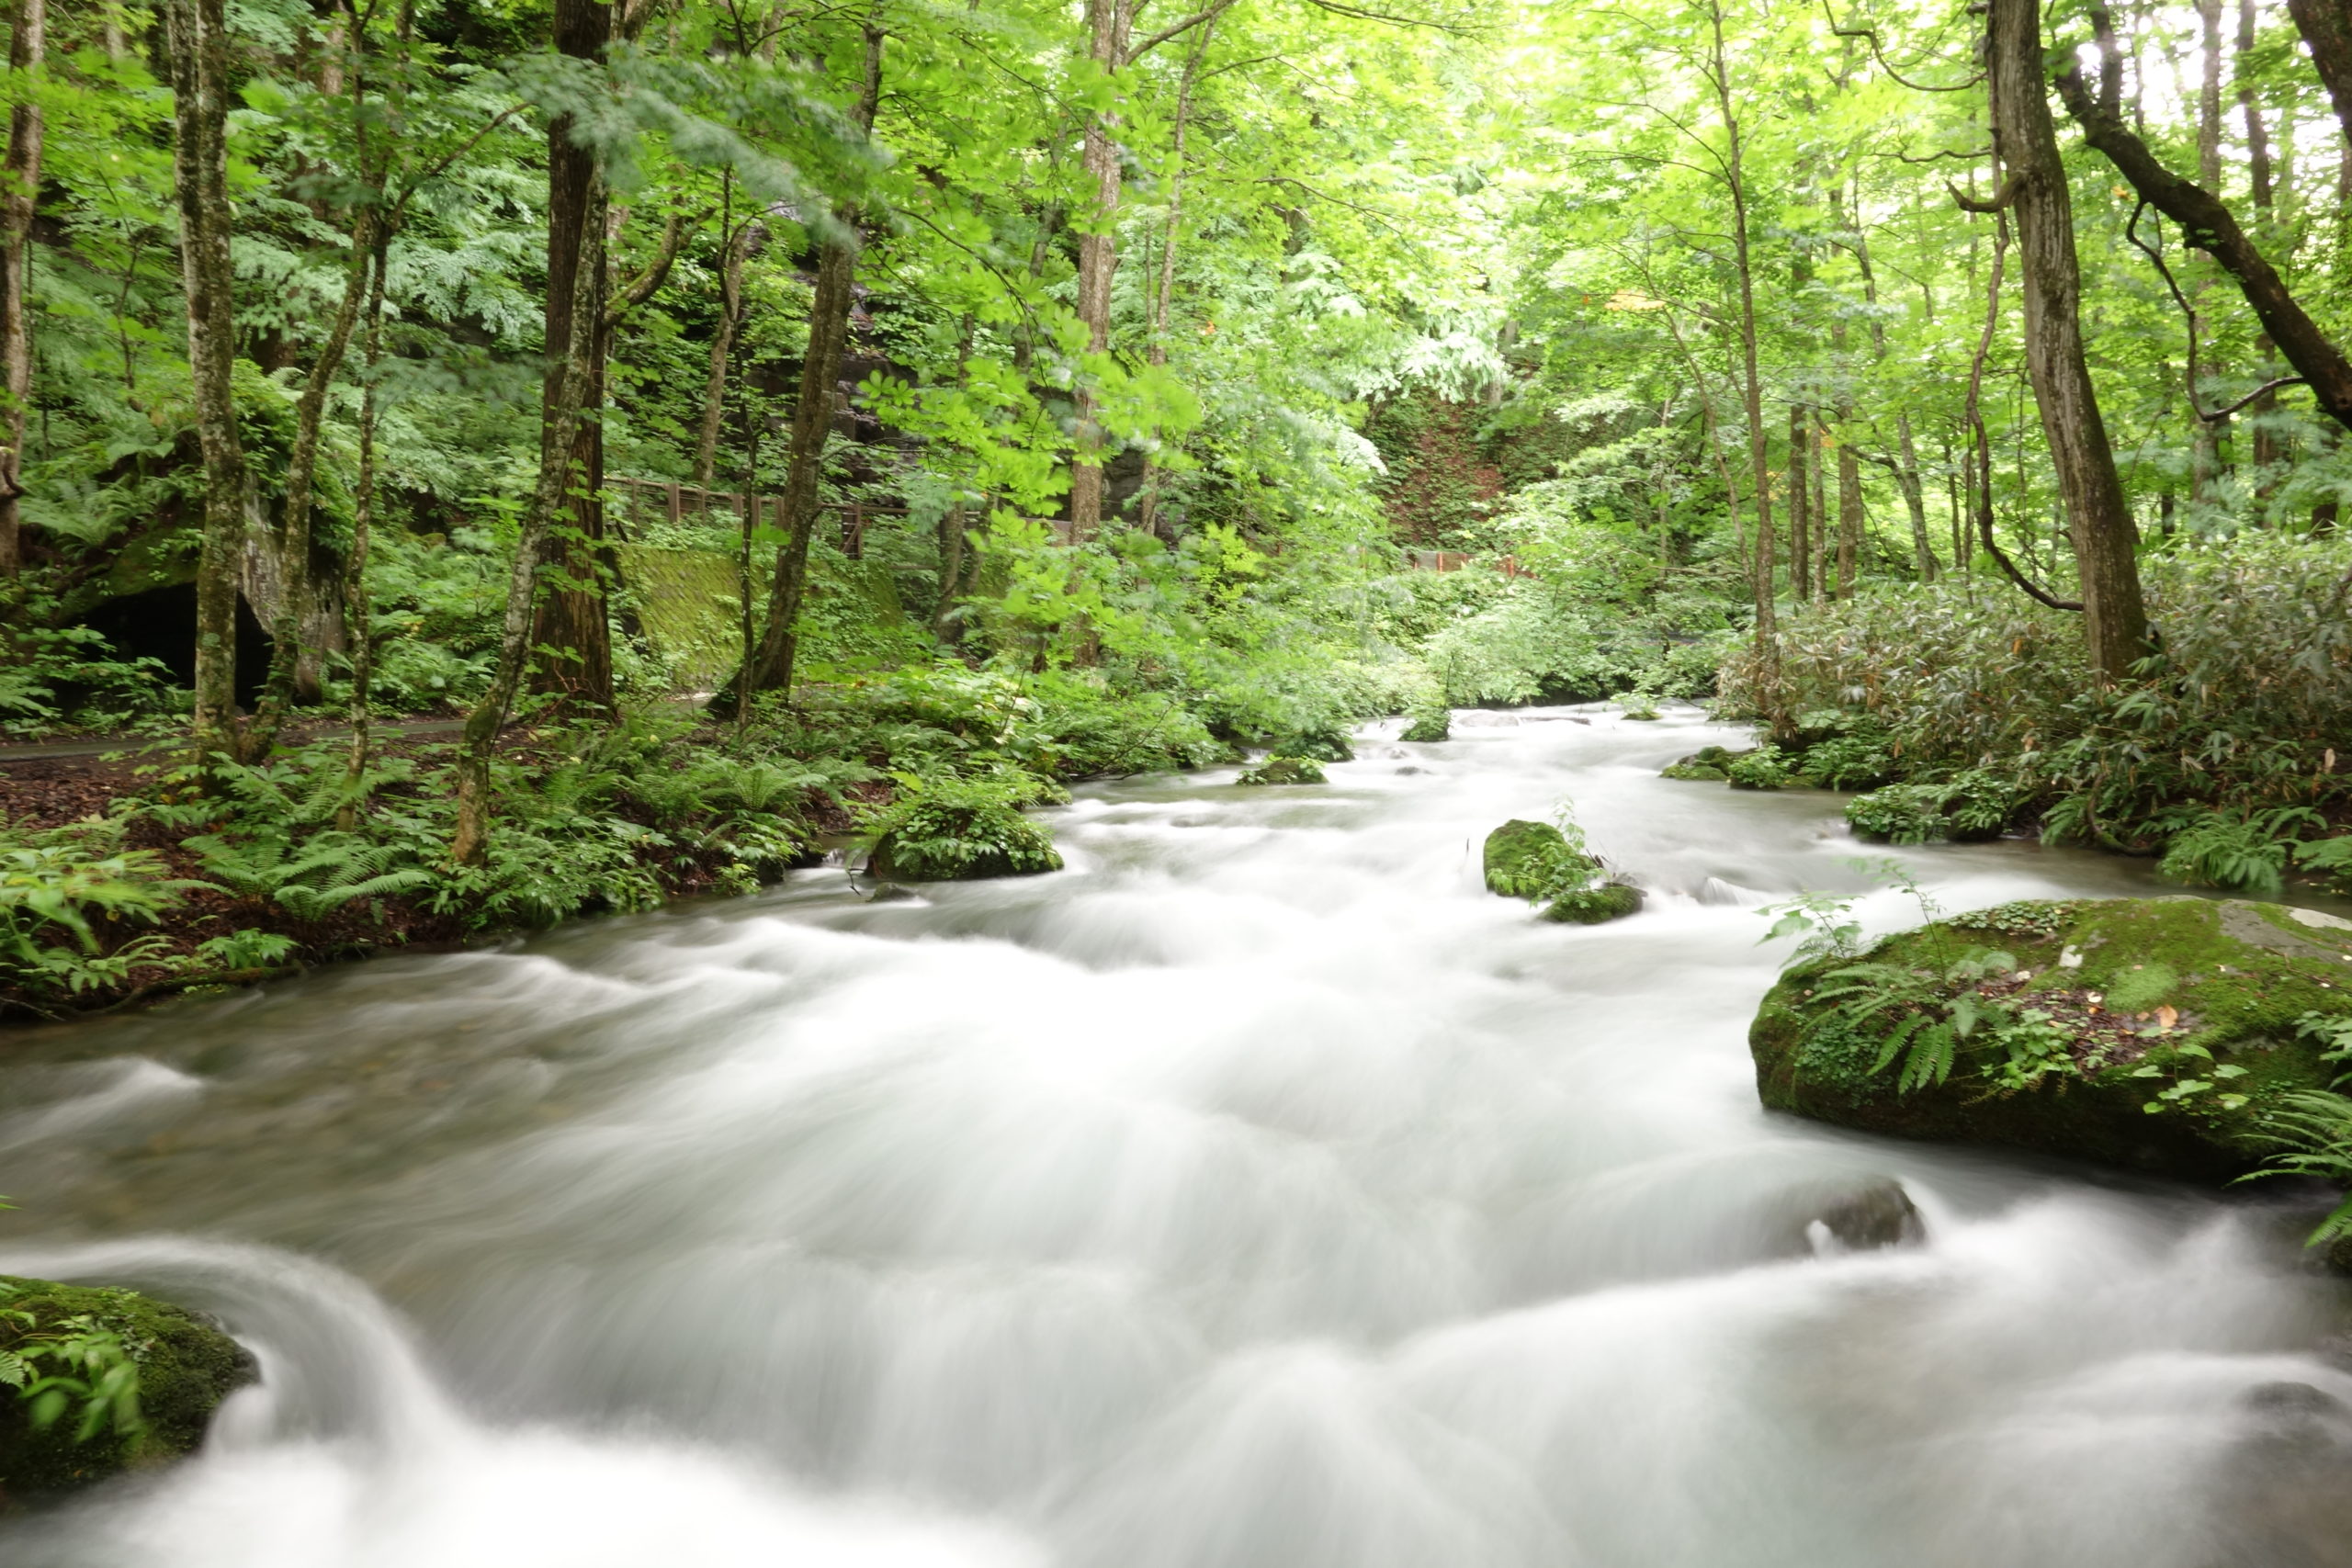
1967,712
2175,1036
95,1381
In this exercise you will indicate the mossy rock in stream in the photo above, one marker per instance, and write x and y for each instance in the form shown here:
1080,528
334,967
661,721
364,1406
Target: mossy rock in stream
1708,764
1284,771
1534,861
1437,724
1591,905
187,1367
2191,1006
963,845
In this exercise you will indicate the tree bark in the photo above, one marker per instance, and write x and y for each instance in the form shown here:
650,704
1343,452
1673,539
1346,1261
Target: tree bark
1164,296
199,70
2327,26
1906,452
2105,538
722,344
1800,546
1109,25
20,192
1760,463
812,416
566,395
571,619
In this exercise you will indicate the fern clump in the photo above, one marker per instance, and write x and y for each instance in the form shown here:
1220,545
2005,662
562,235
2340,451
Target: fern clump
948,828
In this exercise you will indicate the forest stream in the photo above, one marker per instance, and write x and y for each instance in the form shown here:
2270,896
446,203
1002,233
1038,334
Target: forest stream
1258,1193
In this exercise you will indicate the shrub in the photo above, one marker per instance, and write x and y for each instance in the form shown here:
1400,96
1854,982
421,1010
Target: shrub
1429,725
1900,814
2245,851
66,895
1849,762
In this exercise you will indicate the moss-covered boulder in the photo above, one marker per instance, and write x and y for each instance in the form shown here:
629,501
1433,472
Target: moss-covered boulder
1536,862
1436,724
1591,905
2059,1026
1708,764
1284,771
1523,857
186,1366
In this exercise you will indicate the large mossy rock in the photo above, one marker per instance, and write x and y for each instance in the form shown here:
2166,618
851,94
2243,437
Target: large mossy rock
1284,771
1534,861
2133,984
1520,856
187,1367
963,845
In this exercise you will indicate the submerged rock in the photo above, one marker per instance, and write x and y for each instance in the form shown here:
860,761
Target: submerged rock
2062,1024
186,1366
1284,771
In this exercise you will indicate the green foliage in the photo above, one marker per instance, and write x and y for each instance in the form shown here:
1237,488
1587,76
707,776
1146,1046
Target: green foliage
1764,768
949,827
68,678
1825,922
1847,761
1900,814
71,1365
1428,725
1283,770
68,896
2243,850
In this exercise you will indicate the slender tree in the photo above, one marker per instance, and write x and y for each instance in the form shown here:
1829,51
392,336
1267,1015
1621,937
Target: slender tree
19,194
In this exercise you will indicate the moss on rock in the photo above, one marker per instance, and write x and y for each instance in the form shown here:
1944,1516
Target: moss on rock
1695,773
2138,987
187,1367
1522,857
1435,724
1284,771
1591,905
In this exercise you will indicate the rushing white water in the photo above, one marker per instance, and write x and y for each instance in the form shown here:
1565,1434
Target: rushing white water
1258,1193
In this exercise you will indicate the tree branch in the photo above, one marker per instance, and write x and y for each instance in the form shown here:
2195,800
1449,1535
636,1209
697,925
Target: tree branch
641,287
2208,224
1870,36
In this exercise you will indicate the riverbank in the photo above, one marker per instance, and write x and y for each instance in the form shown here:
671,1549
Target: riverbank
127,878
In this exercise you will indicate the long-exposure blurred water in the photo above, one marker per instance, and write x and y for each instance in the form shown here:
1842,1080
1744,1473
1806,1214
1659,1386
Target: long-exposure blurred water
1258,1193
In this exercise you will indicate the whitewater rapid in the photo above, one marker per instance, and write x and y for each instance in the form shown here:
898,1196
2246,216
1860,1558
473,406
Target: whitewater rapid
1259,1192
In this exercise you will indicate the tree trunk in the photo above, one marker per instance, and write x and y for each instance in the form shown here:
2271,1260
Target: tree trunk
20,192
1818,440
1799,546
722,344
199,69
357,612
571,619
296,649
2327,26
812,418
2105,539
1760,463
1109,24
1907,454
565,399
1164,297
